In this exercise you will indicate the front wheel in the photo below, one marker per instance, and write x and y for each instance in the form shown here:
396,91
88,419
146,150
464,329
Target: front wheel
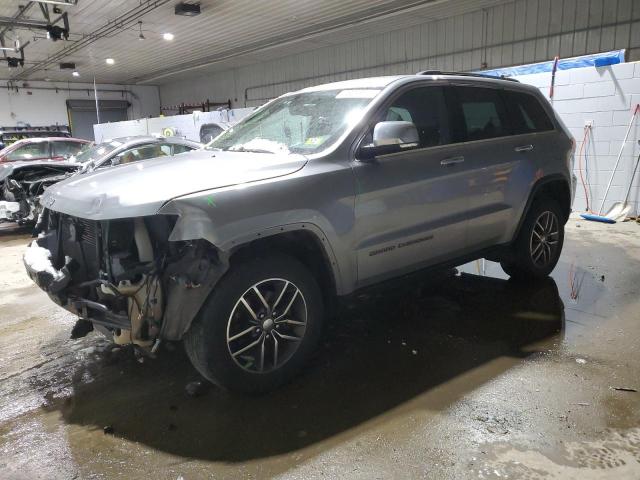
259,327
538,246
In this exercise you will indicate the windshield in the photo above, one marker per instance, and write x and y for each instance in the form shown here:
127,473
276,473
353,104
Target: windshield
94,152
300,123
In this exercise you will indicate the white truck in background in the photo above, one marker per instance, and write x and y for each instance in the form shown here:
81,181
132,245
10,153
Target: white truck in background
196,126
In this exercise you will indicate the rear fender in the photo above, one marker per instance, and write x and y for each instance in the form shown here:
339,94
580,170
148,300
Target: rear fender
537,189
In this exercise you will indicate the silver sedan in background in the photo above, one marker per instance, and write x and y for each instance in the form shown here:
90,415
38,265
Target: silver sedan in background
22,183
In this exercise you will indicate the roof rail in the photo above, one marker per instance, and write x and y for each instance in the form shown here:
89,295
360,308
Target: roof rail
467,74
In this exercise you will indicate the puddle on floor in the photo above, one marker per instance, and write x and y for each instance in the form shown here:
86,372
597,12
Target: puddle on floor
616,455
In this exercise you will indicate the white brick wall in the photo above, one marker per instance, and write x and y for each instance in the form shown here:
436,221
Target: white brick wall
606,96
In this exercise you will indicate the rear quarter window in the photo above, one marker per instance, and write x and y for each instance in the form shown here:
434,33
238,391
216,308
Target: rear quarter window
527,113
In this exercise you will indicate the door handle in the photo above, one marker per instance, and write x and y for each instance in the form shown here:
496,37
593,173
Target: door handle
452,160
524,148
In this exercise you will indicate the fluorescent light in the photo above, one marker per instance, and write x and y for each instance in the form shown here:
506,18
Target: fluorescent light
168,36
67,3
110,61
75,73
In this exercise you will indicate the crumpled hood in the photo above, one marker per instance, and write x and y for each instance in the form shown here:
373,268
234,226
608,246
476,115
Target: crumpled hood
141,188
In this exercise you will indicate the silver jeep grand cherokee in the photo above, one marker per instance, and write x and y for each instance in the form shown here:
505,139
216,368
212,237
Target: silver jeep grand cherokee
241,248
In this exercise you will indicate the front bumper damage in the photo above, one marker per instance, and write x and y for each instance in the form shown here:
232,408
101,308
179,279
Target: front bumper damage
124,275
37,262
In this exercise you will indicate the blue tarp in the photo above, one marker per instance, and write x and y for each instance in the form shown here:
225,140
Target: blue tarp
595,60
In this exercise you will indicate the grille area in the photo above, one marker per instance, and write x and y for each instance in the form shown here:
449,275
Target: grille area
79,239
88,231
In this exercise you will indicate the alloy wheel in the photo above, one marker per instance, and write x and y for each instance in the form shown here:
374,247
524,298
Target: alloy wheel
267,325
544,239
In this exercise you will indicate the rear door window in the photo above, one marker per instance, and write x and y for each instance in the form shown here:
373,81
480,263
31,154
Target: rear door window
481,114
526,112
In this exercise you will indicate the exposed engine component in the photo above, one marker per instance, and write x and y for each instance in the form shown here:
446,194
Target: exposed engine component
124,275
144,307
144,297
21,187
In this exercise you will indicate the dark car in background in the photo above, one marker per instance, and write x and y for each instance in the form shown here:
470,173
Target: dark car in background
42,149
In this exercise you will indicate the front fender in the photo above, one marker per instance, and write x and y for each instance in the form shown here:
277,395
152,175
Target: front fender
319,198
228,234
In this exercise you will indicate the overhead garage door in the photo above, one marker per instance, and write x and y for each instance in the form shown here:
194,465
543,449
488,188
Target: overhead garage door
82,115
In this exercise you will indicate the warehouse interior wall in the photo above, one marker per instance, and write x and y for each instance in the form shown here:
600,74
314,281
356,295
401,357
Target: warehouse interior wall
44,103
604,98
511,33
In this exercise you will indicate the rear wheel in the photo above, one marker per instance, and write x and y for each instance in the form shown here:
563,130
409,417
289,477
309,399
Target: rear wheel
538,246
259,326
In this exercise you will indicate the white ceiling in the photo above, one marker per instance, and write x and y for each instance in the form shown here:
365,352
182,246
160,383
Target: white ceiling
226,34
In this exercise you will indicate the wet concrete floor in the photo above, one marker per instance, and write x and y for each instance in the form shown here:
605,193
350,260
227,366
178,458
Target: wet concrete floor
438,376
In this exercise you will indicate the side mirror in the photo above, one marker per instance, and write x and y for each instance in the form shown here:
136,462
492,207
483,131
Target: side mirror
116,160
390,137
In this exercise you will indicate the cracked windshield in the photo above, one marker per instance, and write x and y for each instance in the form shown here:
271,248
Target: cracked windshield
304,123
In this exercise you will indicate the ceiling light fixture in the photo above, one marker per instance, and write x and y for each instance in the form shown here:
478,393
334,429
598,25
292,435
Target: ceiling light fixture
110,61
141,36
75,73
66,3
168,36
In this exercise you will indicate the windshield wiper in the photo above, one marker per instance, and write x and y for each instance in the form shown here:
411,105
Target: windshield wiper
250,150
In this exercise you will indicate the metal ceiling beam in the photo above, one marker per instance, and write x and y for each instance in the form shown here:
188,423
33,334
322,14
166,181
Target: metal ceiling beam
26,23
16,46
64,3
4,48
18,16
124,21
54,32
23,10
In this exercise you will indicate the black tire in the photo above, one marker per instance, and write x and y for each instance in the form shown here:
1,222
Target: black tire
527,261
225,315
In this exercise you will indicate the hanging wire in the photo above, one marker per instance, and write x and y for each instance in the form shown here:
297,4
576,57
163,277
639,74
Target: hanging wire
587,129
95,94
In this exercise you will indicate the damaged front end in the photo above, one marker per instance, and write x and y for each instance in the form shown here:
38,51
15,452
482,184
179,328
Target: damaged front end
21,187
124,275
